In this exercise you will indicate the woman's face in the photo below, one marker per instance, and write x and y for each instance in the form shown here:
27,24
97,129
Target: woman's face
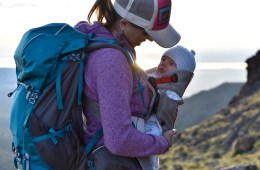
166,64
135,34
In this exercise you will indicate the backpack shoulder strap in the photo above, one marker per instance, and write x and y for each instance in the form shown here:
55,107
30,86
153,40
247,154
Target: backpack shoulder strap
111,43
106,43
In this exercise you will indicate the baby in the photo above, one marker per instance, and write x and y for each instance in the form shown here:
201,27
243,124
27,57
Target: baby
170,80
171,77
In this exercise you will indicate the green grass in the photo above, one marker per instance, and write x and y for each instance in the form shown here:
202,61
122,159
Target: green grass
209,153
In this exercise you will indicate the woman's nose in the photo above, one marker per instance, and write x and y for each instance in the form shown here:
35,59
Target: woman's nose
148,37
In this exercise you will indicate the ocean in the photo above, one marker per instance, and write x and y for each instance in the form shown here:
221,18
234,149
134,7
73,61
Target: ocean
208,79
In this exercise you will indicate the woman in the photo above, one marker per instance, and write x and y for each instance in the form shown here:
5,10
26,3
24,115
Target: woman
110,82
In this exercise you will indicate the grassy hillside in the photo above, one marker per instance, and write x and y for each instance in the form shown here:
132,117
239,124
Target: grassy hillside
208,146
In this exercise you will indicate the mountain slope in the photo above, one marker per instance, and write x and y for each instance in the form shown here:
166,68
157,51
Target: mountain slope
208,146
205,104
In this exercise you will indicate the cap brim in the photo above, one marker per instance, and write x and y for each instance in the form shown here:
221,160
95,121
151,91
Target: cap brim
166,38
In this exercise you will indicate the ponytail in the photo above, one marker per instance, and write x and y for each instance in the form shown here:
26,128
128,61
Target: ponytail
105,11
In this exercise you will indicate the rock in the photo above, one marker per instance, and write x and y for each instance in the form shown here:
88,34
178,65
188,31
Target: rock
243,143
177,167
240,167
216,155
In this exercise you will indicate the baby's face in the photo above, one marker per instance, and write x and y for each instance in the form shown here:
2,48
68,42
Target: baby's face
166,64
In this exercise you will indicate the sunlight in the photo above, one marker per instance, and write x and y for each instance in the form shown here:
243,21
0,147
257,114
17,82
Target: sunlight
7,62
146,64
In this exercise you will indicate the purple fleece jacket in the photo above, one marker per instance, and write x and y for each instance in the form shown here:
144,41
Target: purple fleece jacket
109,81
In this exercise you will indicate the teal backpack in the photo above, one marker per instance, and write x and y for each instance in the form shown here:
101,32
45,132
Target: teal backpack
46,114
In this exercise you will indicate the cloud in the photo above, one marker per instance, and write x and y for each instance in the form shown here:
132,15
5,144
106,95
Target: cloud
15,5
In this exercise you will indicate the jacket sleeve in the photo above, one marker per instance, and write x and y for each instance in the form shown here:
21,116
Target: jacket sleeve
114,84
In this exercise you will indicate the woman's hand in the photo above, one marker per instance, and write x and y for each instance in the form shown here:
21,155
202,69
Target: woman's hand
169,135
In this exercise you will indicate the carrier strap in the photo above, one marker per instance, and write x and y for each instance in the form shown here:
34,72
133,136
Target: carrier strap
53,134
141,88
168,79
145,78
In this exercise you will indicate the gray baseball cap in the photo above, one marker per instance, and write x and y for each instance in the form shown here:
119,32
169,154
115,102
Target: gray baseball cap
153,16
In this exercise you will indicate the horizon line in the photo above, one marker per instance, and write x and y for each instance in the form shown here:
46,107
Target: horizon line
200,66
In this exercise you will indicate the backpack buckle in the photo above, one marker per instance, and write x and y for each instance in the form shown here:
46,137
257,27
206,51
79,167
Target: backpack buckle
33,98
27,159
17,158
75,57
31,95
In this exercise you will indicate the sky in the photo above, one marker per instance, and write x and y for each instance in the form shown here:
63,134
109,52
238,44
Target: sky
218,30
223,33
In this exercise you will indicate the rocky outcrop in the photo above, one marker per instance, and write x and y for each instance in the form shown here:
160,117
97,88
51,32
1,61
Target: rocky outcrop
253,75
253,78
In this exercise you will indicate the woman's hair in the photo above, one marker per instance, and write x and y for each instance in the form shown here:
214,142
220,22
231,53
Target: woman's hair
104,10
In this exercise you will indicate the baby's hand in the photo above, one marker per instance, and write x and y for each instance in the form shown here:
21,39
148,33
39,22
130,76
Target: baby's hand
169,135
